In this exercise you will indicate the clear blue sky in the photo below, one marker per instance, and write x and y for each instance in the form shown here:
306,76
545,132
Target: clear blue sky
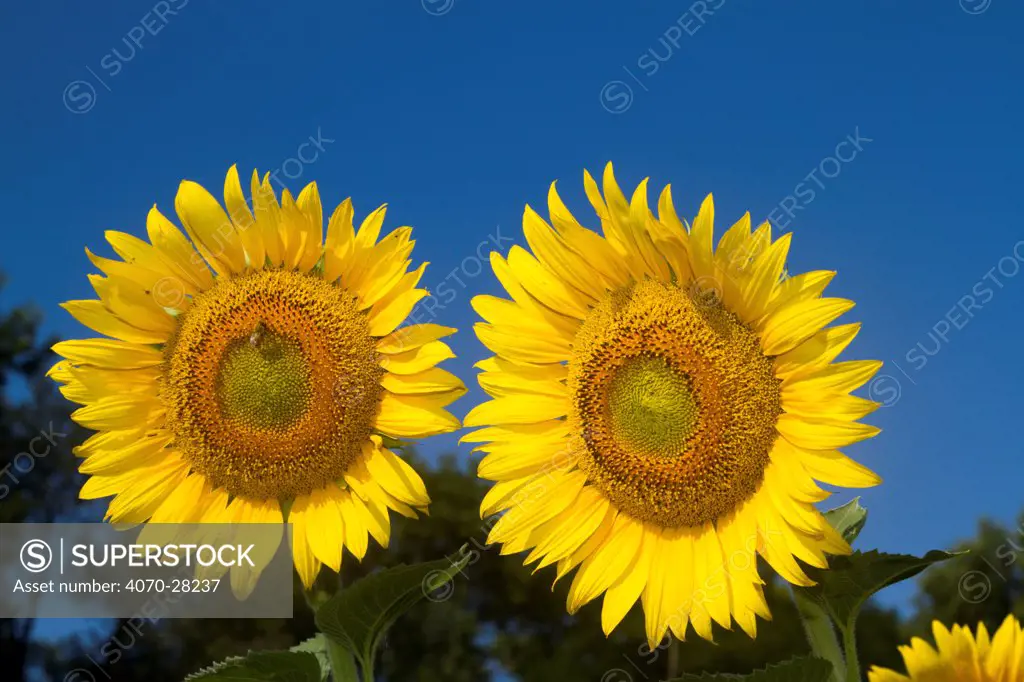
458,113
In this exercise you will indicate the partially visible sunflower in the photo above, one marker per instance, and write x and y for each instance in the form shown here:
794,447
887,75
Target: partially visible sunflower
960,656
265,389
662,409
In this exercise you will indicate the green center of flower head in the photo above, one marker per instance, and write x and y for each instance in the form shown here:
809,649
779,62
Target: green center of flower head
652,407
264,381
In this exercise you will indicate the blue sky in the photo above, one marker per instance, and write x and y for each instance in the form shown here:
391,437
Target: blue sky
458,113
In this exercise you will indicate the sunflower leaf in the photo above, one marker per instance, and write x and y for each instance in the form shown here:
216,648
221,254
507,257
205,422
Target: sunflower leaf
264,666
850,581
317,646
795,670
849,519
359,616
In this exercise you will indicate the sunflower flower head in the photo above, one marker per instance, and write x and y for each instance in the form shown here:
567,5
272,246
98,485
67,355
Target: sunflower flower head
663,409
961,656
253,370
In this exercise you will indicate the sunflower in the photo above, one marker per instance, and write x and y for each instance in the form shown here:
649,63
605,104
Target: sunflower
257,373
661,410
962,657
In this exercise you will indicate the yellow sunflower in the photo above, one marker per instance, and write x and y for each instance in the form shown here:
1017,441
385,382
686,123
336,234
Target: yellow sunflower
662,409
962,657
267,388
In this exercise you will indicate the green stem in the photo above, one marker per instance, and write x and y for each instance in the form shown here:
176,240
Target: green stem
821,634
343,665
852,662
673,659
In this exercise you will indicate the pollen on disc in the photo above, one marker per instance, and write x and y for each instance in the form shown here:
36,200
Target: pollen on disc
272,384
674,404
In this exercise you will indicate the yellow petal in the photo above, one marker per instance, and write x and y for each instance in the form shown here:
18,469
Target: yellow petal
513,432
764,277
245,224
268,218
390,311
506,494
340,241
614,219
815,406
512,379
567,531
95,316
412,336
259,524
374,517
838,378
144,494
142,453
517,410
522,459
306,563
109,353
823,434
607,564
669,584
800,287
556,256
182,503
711,587
700,241
108,440
643,229
413,417
588,548
430,381
129,301
312,208
772,541
591,246
395,476
815,352
545,286
521,347
418,359
354,514
103,486
116,412
792,325
835,468
178,251
210,228
323,513
293,230
135,251
550,496
562,323
620,597
383,267
369,230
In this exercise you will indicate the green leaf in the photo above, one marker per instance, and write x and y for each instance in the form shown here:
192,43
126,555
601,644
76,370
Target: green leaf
843,588
359,616
393,443
850,581
795,670
848,519
318,647
263,666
